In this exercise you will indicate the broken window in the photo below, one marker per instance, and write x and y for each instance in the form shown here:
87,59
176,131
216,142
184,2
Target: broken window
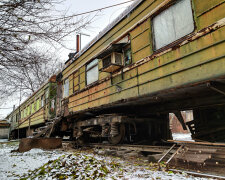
173,23
127,55
92,71
66,88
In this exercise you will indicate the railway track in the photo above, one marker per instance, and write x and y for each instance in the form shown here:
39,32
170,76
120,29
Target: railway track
196,158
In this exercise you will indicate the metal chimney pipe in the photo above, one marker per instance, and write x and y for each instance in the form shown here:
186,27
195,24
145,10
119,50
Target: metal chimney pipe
78,42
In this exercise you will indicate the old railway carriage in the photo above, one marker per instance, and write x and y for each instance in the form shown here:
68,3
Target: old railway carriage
158,56
34,112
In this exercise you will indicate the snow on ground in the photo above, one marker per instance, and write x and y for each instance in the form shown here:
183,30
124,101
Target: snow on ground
58,164
182,136
13,164
3,140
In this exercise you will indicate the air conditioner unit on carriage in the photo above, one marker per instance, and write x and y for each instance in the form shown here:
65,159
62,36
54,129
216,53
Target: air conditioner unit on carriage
112,62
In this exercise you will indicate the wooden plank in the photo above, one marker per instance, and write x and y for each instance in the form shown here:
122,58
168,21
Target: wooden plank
197,143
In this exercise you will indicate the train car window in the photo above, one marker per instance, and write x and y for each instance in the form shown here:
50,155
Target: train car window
37,104
52,105
17,117
42,100
46,96
32,109
173,23
22,114
66,86
92,72
28,110
127,55
25,112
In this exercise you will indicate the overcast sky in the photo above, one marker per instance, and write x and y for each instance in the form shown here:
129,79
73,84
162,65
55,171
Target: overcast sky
104,18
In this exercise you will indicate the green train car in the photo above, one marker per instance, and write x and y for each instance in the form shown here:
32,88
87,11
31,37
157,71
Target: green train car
35,111
157,57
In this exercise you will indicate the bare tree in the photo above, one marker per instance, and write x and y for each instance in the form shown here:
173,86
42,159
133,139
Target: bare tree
23,25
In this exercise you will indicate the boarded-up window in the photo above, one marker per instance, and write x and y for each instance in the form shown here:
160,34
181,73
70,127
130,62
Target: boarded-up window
173,23
66,86
92,71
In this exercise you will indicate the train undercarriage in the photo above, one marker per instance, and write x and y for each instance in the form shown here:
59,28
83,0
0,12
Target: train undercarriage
145,120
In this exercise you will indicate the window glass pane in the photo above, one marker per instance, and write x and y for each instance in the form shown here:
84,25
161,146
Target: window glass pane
46,96
184,22
37,108
173,23
92,75
42,100
92,63
66,88
32,110
127,56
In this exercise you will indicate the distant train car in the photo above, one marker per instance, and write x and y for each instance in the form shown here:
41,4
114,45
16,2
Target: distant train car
35,111
157,57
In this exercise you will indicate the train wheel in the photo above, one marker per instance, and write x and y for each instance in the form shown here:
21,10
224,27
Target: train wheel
84,139
120,137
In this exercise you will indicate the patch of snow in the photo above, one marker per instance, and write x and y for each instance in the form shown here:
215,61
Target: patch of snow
15,163
3,140
182,136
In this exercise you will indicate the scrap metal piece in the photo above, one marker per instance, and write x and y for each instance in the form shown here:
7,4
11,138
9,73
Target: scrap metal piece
27,144
216,86
180,119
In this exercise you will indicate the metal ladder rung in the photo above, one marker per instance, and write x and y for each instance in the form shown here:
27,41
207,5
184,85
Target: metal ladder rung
171,157
166,153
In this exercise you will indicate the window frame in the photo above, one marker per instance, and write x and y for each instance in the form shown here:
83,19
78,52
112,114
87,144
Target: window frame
174,43
87,69
125,49
78,77
42,101
64,85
